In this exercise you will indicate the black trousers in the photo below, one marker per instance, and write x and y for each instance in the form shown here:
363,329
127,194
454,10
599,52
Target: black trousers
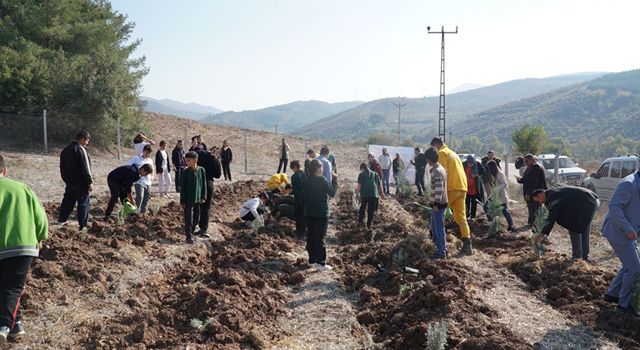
316,233
420,181
226,170
117,193
191,218
370,204
283,162
73,195
300,222
472,204
205,208
13,274
532,207
178,178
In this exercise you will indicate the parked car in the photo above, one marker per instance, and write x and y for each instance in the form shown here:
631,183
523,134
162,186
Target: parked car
568,172
604,181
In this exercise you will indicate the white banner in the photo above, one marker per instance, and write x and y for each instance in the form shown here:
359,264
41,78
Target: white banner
406,154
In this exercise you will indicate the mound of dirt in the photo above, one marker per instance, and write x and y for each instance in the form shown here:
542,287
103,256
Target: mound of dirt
576,288
397,306
137,285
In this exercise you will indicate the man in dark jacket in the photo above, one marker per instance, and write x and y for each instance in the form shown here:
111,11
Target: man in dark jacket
212,169
75,169
572,208
420,162
177,156
532,179
226,156
120,181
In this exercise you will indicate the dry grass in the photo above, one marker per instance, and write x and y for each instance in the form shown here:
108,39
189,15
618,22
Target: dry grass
523,313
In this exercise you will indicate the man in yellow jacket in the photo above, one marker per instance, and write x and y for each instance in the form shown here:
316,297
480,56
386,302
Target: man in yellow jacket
456,189
277,181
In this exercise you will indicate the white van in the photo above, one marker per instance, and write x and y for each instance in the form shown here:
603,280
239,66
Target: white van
604,181
568,172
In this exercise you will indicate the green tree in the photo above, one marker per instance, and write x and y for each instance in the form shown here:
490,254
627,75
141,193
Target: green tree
556,145
378,138
529,139
471,144
494,144
74,58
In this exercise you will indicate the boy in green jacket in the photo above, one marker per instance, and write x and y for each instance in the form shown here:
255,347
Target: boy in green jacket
23,224
297,180
317,193
193,192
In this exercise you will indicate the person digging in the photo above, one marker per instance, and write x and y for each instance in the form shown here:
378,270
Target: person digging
572,208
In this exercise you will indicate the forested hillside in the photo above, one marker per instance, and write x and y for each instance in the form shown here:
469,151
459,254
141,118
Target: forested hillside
585,117
419,116
289,116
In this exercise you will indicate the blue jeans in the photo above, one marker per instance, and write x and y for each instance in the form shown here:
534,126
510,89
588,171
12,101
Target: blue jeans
505,212
580,244
142,197
437,230
385,180
72,196
622,284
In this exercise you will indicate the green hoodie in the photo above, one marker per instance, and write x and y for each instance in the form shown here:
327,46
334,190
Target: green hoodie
23,222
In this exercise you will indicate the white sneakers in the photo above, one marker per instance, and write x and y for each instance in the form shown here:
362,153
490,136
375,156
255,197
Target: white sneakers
4,333
325,267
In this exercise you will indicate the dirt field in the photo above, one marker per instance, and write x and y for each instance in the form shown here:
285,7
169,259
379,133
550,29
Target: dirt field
138,286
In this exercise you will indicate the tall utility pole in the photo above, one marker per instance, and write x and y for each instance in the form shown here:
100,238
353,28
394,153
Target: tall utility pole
399,107
442,132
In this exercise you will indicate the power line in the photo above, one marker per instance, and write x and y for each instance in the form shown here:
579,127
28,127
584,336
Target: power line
442,132
399,107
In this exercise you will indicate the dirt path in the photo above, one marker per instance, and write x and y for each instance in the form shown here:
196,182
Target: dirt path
320,313
523,313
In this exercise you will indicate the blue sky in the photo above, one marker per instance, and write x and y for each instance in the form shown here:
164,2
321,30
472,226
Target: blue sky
242,54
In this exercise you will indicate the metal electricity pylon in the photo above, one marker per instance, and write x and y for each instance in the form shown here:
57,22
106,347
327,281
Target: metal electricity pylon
399,107
442,132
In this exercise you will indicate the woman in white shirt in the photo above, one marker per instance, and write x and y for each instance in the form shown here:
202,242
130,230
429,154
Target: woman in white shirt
163,167
498,186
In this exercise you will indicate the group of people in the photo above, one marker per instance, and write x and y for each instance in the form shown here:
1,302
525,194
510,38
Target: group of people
24,224
306,200
194,170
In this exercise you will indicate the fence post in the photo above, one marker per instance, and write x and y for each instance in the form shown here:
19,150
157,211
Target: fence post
118,137
184,141
556,169
245,150
44,123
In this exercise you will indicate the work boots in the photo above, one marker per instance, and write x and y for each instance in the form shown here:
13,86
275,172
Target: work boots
466,246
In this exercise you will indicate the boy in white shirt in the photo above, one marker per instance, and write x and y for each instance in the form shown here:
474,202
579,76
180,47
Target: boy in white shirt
143,186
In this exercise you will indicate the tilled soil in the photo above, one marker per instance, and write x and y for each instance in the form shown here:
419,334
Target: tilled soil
137,285
399,307
576,288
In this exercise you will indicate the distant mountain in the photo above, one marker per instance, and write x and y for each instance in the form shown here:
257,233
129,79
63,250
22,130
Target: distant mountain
465,87
289,116
419,116
581,115
187,110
